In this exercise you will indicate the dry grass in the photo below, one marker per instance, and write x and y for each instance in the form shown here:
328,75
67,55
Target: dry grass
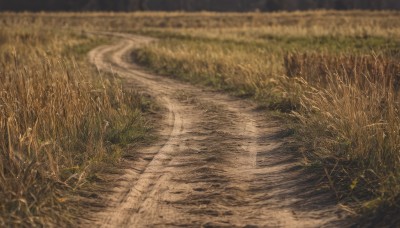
246,70
337,73
319,23
59,119
350,111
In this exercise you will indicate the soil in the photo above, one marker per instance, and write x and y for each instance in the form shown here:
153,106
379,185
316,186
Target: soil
220,162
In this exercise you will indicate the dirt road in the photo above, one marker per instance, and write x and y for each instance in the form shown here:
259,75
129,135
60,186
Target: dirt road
219,163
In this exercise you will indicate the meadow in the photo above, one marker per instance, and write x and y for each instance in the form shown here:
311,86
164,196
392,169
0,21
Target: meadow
332,77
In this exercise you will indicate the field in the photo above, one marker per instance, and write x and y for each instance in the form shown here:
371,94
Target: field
331,78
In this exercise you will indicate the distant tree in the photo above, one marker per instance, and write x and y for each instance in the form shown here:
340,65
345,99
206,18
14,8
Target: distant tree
252,5
273,5
136,5
193,5
342,4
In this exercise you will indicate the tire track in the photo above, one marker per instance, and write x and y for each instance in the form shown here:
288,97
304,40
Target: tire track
219,163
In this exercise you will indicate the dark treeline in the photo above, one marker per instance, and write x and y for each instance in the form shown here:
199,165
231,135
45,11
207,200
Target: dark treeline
194,5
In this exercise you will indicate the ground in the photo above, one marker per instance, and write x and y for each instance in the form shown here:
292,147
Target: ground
219,161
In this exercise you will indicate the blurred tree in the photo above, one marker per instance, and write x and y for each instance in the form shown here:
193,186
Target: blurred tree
193,5
272,5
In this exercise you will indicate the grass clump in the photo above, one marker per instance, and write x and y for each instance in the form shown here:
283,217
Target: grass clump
59,119
350,107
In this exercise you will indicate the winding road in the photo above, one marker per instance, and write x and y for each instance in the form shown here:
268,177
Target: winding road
219,161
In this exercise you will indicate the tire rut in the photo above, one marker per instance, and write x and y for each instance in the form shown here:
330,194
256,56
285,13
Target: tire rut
219,162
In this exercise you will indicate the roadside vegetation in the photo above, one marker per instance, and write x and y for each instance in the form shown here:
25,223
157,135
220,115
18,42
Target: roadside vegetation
336,76
333,75
61,122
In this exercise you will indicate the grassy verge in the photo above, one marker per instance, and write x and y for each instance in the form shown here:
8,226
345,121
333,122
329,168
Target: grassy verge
341,87
350,113
60,122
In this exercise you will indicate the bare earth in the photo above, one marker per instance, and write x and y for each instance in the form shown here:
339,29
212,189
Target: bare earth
219,162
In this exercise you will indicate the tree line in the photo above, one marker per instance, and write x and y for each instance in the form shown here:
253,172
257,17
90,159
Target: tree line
194,5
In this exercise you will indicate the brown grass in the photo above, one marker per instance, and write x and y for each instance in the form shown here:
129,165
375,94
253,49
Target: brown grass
57,118
56,121
350,108
341,83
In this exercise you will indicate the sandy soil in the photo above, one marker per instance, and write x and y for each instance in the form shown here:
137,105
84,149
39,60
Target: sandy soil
219,162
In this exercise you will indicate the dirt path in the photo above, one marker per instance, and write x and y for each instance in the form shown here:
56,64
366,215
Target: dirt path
219,162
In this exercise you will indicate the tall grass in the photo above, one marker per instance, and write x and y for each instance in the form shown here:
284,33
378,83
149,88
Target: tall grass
58,120
340,83
350,109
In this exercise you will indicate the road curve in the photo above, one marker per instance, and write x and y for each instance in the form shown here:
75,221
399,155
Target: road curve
219,162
